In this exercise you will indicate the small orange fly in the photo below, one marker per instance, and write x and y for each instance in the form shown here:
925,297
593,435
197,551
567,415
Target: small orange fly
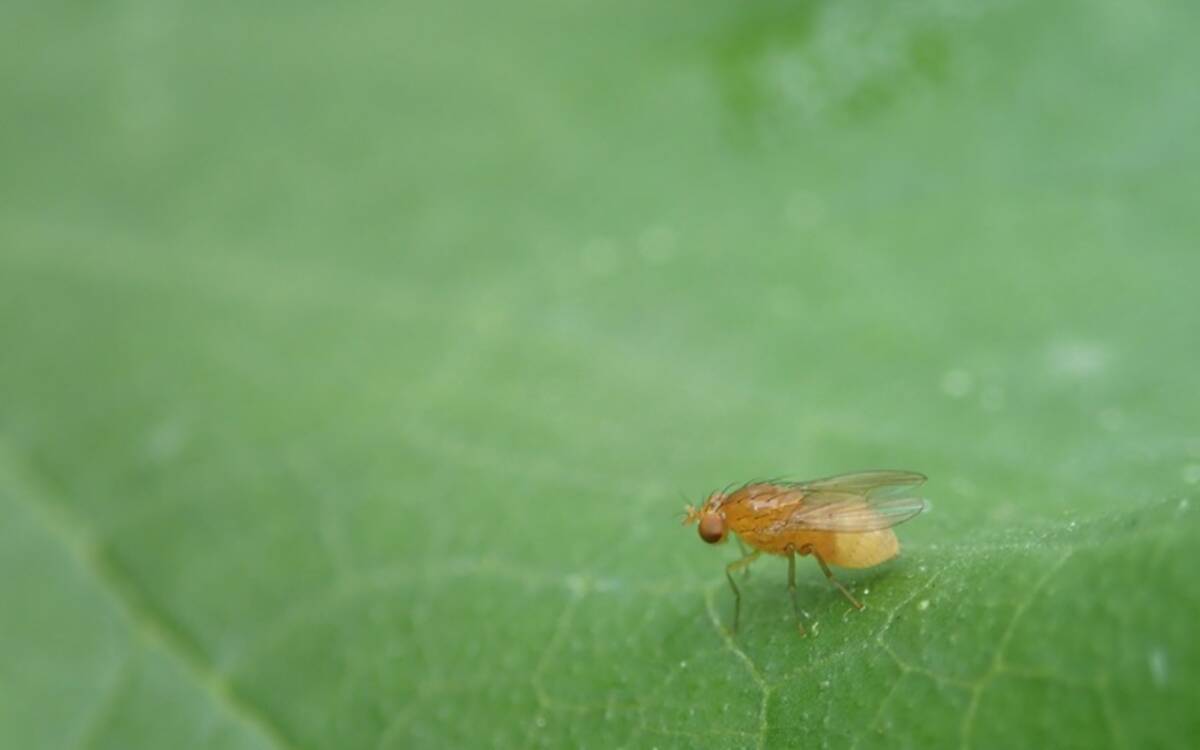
845,520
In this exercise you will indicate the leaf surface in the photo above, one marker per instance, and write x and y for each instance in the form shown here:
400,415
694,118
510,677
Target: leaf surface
354,360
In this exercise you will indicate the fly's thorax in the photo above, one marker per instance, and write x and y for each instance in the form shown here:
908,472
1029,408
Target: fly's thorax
756,510
713,503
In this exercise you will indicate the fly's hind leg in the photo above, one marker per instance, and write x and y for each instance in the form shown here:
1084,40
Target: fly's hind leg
737,595
791,553
808,550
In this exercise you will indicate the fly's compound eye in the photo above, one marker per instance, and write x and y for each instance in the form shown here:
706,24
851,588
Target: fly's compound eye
712,528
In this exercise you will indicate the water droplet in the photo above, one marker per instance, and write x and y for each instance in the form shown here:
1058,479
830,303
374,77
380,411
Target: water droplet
1071,526
1158,666
923,605
957,383
804,210
1191,473
683,664
824,684
657,244
540,721
1077,359
962,486
1184,504
599,257
166,441
866,591
1111,419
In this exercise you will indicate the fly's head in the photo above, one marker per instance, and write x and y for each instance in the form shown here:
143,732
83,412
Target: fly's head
712,521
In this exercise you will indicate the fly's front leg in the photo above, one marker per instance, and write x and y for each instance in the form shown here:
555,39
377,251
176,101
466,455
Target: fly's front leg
737,595
808,550
791,553
745,552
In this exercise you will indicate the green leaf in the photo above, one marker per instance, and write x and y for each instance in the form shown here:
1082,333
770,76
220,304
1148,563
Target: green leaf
356,361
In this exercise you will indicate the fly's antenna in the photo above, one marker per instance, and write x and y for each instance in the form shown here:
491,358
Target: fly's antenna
689,511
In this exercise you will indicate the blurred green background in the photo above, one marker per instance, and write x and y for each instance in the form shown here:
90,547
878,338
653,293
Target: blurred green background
355,360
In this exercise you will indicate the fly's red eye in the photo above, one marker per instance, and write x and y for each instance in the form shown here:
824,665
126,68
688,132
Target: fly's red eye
712,528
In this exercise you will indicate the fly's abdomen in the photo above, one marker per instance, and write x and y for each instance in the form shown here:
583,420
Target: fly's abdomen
861,550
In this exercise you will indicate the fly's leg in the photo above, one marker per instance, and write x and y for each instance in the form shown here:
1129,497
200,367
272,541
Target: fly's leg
745,552
792,589
737,596
808,550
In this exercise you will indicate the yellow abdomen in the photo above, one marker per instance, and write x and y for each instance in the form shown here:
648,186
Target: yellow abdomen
862,549
854,550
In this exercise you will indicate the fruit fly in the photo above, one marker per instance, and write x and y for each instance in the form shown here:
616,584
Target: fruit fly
844,520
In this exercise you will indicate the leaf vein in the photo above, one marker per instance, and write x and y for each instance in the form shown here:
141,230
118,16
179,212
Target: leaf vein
150,625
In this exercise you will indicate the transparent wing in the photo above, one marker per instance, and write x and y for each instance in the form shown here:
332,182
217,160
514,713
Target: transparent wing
836,511
864,482
864,501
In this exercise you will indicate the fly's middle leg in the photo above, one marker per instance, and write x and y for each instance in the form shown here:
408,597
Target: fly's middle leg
808,550
737,595
791,553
